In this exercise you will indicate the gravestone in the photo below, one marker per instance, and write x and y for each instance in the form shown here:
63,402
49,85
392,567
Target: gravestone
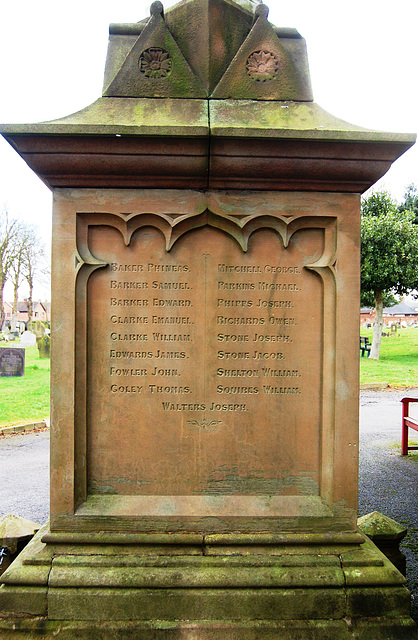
28,339
204,436
12,362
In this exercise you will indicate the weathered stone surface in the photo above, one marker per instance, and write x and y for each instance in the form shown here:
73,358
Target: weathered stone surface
387,535
78,582
297,629
381,528
146,142
264,67
155,66
23,601
378,602
228,300
201,81
14,528
223,42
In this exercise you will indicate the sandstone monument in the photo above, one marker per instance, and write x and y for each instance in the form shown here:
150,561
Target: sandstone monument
204,427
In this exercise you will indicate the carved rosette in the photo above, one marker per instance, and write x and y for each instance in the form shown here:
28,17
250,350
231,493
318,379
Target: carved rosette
155,63
262,66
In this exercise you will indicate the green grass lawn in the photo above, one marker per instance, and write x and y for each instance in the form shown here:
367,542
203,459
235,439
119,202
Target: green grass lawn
26,399
398,362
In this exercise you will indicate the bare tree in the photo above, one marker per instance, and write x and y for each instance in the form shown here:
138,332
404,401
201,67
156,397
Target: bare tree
24,240
9,246
21,256
33,256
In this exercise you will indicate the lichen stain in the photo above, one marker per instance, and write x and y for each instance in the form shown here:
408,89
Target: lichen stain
227,481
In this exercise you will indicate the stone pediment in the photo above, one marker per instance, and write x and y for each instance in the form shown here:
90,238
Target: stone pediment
194,96
210,48
155,66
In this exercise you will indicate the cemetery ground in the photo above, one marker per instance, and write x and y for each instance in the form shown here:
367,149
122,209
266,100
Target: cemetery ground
397,365
26,399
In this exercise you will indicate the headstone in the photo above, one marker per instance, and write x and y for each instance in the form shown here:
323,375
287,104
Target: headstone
204,442
44,346
28,339
12,362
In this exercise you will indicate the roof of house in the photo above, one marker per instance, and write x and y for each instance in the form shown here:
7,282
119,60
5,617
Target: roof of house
22,306
399,309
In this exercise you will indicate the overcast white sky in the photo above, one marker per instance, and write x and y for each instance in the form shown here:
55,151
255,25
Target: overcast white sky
363,58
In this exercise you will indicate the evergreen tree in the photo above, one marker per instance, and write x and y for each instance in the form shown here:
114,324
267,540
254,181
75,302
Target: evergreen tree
410,202
389,255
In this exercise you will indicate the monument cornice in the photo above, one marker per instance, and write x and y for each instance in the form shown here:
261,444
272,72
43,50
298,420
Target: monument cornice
178,111
197,143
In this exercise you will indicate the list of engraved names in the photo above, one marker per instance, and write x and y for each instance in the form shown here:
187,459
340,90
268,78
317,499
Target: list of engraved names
234,324
150,328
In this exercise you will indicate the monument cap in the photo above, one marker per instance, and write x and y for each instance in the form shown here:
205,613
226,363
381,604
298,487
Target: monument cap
180,110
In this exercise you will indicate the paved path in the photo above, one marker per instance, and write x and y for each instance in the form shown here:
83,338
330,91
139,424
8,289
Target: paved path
24,476
388,482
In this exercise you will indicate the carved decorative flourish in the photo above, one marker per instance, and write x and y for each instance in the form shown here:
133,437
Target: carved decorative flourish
239,228
155,63
209,425
262,66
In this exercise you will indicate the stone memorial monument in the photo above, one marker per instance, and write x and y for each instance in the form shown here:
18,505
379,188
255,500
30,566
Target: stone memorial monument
205,348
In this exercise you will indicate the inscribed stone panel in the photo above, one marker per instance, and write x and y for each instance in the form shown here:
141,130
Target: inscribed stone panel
204,364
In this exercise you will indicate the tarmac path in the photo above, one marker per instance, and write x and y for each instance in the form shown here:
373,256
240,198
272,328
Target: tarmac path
24,476
388,482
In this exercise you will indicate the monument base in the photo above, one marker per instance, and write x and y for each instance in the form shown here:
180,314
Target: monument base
399,629
68,585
